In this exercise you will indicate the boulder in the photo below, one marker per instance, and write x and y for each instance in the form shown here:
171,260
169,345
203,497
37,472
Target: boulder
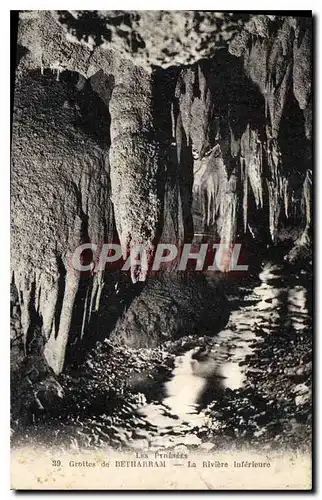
170,307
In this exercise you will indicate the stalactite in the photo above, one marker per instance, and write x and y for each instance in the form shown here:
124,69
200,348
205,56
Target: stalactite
228,210
86,312
302,249
278,64
56,346
173,230
302,67
179,136
217,193
268,64
274,209
209,179
308,120
49,308
286,197
307,199
278,189
137,168
93,296
251,169
100,285
255,174
96,291
244,180
195,105
184,92
25,306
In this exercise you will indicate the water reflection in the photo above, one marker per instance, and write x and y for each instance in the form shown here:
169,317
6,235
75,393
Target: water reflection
182,393
276,304
185,387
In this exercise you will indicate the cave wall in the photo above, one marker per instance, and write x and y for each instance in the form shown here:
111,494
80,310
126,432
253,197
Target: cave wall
113,140
247,118
60,193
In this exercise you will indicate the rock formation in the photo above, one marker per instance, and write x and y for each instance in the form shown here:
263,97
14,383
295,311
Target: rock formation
152,126
169,308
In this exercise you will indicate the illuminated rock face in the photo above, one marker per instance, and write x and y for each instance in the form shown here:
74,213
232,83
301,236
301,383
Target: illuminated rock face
129,129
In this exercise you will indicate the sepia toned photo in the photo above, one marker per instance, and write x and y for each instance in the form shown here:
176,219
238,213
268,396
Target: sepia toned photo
161,250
